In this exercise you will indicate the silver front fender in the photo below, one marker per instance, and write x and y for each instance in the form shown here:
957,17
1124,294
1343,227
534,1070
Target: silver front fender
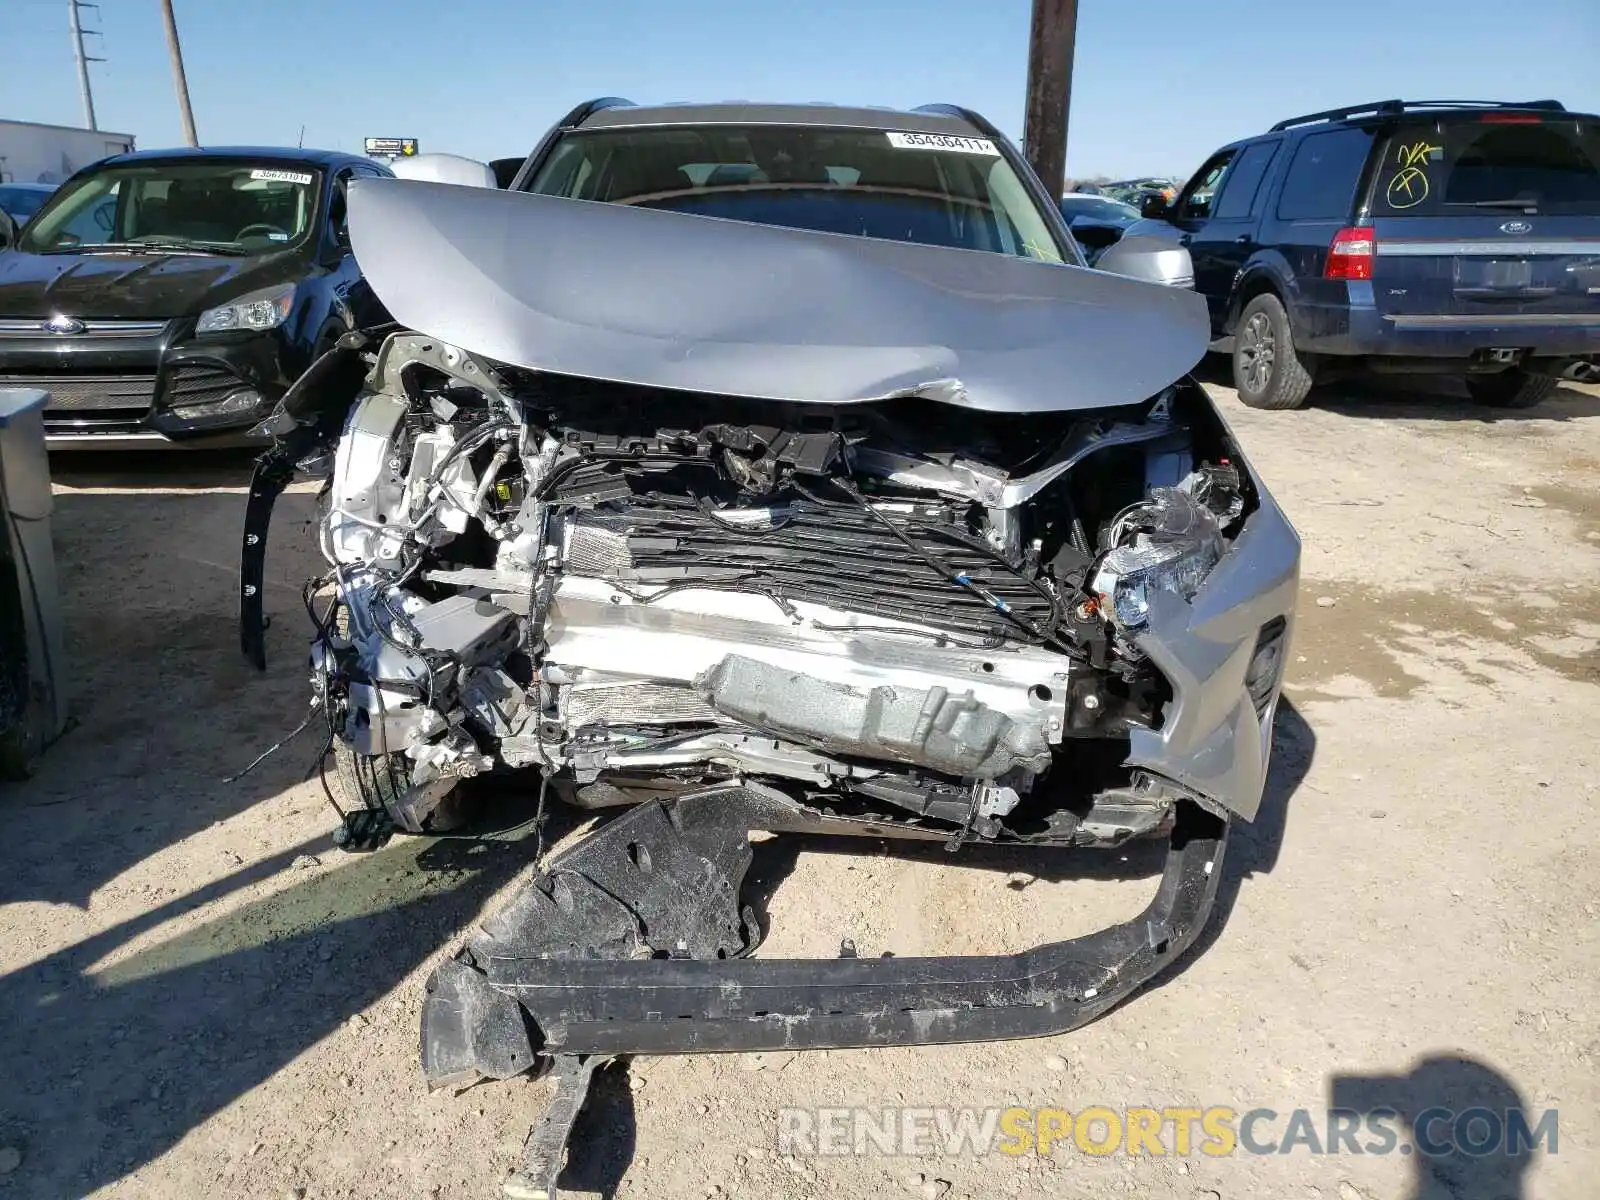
1211,740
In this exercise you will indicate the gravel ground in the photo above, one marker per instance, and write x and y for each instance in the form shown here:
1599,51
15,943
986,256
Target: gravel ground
200,996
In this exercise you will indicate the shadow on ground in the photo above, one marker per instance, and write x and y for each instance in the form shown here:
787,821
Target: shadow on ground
1462,1118
1254,846
168,470
163,706
604,1138
1421,398
1418,397
107,1068
111,1053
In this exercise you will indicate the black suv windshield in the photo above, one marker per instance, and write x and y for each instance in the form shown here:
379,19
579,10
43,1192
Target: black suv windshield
1492,161
218,207
935,189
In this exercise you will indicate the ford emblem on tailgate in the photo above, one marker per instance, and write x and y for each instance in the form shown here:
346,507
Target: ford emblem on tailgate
1516,227
63,325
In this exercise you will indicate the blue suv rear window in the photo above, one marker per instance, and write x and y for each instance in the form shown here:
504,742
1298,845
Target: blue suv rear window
1491,162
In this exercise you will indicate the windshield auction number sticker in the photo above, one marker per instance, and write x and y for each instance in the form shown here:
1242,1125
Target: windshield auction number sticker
282,176
943,141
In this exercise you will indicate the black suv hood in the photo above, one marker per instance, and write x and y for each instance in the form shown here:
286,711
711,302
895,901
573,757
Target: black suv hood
134,287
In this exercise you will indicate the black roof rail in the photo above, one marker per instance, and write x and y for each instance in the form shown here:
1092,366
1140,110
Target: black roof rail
976,120
589,107
567,123
1395,108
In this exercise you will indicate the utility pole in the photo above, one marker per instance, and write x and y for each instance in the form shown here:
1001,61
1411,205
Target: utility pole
179,81
78,33
1044,131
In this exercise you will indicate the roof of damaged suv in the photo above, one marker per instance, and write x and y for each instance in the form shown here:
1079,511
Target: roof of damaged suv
290,154
740,112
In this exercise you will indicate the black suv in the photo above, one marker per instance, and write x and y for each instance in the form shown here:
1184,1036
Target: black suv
1453,237
172,296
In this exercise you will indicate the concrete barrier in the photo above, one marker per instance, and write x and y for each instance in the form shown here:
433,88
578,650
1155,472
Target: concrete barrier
33,706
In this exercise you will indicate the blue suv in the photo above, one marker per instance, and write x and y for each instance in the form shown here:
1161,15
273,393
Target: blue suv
1447,237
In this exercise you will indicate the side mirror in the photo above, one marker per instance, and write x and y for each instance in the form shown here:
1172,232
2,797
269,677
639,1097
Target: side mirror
505,170
1152,259
8,231
1155,205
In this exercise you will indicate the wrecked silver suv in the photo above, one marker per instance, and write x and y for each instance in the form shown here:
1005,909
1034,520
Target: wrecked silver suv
777,468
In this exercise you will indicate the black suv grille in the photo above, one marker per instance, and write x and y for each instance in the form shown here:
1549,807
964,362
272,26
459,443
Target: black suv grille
199,385
79,393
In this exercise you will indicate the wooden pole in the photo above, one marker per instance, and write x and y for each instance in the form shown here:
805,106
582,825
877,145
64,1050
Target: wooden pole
179,80
1050,49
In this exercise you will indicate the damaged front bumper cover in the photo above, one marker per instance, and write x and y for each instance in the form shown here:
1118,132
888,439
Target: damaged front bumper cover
528,987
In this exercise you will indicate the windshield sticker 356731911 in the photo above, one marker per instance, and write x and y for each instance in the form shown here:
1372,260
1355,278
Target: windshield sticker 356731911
942,141
282,176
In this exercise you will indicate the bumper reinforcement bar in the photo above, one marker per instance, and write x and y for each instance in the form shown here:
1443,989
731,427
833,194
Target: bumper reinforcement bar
535,983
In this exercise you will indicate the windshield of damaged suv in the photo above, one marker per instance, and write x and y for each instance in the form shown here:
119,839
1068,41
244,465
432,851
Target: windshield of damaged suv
234,208
1513,162
934,189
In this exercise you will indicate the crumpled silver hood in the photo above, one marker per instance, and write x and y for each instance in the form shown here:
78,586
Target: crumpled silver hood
705,304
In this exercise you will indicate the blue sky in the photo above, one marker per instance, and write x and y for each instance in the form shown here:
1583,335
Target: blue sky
1159,83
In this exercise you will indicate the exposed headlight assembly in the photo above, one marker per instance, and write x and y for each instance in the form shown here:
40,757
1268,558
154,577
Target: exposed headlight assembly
266,309
1169,542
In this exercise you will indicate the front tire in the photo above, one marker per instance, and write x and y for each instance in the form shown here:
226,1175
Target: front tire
382,781
1510,389
1267,372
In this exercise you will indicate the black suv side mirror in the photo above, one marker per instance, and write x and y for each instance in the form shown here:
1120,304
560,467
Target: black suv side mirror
1154,205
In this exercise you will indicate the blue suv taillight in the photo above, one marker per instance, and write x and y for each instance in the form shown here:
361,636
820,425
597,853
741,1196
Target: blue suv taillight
1351,253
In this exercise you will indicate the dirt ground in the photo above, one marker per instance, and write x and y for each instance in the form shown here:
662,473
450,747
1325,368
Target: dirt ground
200,996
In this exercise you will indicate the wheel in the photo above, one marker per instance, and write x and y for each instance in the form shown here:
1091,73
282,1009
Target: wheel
380,781
1510,389
330,334
1266,370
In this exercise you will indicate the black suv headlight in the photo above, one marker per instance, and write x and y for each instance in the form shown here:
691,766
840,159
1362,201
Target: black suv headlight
266,309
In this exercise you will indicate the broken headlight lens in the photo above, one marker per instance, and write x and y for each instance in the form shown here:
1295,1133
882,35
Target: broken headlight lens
1128,574
1168,543
266,309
